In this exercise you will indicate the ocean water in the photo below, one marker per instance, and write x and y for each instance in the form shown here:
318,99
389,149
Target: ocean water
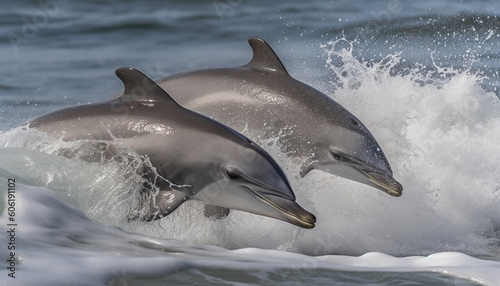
422,76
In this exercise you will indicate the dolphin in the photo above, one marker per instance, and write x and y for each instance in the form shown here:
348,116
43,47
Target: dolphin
205,159
261,100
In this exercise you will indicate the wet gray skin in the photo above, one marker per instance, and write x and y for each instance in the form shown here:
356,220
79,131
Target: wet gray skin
262,101
209,161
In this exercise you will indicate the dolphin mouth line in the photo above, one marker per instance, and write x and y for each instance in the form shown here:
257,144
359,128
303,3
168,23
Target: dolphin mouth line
302,222
387,183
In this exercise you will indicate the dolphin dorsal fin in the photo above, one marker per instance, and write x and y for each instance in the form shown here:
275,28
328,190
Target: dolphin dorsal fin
264,58
139,87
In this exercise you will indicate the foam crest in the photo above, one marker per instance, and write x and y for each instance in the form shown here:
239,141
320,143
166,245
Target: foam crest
440,131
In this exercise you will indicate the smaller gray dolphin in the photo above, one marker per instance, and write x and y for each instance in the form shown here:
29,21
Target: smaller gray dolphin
261,98
209,161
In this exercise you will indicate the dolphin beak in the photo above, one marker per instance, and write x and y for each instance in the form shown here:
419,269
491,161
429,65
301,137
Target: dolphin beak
289,211
385,183
364,174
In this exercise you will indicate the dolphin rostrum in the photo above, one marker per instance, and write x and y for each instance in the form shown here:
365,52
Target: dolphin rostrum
205,159
262,100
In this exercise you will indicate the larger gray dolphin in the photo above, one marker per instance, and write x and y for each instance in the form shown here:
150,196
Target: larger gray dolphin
209,161
262,99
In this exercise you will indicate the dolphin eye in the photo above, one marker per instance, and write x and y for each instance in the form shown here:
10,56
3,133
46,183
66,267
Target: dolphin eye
338,156
231,175
341,157
335,156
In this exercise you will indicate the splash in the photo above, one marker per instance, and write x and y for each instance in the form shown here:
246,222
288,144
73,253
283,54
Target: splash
440,131
104,186
438,127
